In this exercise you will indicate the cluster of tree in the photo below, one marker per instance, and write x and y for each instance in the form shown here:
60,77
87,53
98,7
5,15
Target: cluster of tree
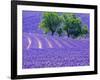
65,23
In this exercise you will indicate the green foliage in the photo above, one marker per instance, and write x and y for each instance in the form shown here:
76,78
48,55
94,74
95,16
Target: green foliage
66,23
51,21
72,25
45,29
84,30
59,31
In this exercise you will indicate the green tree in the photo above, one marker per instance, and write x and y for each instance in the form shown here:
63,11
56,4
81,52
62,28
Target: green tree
72,25
51,21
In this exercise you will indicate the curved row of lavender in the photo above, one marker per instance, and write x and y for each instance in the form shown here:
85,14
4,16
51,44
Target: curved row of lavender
41,51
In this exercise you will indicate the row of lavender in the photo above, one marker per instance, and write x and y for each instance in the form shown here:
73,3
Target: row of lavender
72,53
34,40
36,58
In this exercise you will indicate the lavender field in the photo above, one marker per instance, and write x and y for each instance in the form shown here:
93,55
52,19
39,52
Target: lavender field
42,51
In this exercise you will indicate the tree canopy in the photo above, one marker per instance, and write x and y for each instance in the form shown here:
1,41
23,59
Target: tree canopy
51,21
72,25
66,23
